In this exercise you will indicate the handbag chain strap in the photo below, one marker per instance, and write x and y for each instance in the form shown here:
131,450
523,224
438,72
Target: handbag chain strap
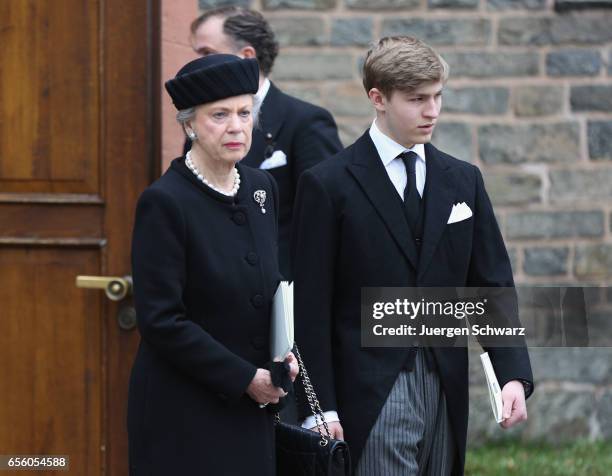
313,401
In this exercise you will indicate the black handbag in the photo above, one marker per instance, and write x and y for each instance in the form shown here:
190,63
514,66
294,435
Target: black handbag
302,452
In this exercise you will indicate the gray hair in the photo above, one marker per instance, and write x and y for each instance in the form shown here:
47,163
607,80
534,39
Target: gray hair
183,116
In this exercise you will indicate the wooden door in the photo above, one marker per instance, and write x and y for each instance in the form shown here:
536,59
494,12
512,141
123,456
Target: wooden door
78,144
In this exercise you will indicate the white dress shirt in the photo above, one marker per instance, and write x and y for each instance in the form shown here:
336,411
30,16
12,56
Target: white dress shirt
388,150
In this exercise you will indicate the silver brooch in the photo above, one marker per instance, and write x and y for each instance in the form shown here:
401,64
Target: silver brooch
260,197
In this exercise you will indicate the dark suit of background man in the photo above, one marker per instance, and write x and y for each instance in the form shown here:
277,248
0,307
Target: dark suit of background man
292,135
379,214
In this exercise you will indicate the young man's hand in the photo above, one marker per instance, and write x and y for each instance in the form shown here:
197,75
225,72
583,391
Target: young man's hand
337,433
513,398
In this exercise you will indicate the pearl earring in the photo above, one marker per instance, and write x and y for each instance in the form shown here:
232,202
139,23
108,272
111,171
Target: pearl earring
192,135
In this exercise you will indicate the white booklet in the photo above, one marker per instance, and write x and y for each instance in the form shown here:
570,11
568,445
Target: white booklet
281,329
493,386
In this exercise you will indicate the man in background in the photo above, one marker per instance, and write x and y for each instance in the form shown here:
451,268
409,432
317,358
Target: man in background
292,135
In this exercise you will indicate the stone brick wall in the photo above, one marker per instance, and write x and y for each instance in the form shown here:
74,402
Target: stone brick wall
530,102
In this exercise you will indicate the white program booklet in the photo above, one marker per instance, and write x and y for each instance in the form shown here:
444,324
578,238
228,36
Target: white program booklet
281,329
493,386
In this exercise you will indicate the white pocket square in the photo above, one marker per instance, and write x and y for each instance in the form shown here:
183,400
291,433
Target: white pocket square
459,212
277,159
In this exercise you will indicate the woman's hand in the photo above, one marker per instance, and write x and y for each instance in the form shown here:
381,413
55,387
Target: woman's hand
262,390
293,366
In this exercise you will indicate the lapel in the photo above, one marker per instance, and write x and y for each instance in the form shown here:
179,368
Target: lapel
271,119
439,195
367,168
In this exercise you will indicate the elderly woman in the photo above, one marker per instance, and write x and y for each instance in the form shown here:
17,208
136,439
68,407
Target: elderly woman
205,271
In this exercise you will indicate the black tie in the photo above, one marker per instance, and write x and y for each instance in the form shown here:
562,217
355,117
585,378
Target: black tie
412,199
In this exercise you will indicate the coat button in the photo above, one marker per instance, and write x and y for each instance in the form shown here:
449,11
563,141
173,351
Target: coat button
257,300
258,342
252,258
239,218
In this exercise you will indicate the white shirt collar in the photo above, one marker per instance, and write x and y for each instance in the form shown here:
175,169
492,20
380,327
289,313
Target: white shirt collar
388,149
260,96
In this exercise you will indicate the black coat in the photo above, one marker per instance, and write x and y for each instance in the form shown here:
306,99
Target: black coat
350,232
205,271
307,134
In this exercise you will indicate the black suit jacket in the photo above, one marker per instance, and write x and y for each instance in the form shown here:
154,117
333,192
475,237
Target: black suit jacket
350,232
306,134
205,269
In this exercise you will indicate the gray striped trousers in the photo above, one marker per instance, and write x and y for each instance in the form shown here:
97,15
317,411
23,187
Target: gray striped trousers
412,435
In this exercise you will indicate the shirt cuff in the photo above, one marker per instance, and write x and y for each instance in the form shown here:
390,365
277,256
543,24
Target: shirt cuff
310,421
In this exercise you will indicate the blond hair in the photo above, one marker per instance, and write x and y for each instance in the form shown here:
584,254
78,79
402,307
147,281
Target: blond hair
402,63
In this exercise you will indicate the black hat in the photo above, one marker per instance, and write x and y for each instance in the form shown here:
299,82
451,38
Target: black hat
211,78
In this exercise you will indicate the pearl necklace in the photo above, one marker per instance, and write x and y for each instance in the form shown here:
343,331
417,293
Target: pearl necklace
191,166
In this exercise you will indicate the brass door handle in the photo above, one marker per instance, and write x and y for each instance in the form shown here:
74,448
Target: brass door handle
116,288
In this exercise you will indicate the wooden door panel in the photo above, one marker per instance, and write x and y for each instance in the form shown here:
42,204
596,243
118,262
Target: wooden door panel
50,94
34,220
52,395
78,143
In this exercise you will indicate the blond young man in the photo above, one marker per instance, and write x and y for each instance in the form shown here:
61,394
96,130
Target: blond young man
378,215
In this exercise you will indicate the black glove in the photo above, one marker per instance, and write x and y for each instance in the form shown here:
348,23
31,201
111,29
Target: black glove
279,372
